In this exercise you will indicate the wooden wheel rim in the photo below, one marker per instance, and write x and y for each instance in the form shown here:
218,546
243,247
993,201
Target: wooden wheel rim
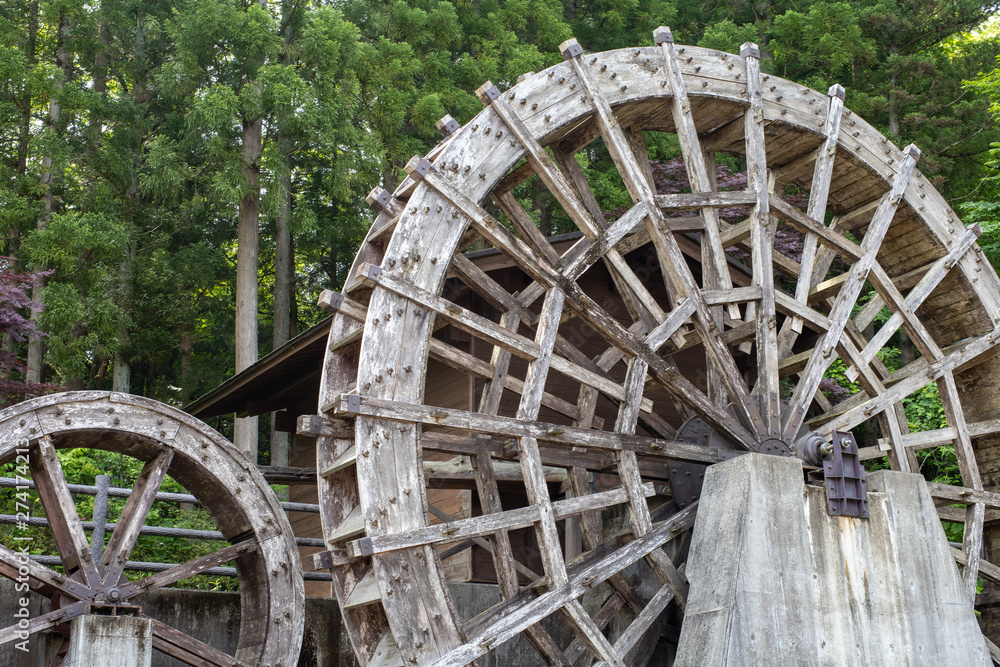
636,87
218,475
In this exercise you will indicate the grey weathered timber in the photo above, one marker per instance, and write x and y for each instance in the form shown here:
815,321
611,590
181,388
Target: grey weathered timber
389,336
841,311
818,193
218,477
762,229
776,580
521,428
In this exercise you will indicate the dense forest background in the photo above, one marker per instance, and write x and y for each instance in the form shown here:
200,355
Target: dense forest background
142,138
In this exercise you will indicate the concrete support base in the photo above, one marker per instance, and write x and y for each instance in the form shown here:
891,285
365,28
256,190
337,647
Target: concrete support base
110,641
775,580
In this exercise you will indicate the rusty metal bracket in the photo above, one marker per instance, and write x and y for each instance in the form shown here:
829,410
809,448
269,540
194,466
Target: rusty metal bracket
846,493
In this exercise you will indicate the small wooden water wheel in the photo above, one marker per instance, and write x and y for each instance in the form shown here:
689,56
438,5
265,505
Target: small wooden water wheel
623,358
168,442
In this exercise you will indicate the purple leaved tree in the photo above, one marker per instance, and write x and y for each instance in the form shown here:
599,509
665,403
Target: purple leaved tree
15,328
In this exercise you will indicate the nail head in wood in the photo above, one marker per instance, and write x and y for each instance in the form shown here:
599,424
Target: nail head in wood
662,35
570,49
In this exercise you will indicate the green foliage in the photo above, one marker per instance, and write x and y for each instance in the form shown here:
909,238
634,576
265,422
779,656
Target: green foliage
147,159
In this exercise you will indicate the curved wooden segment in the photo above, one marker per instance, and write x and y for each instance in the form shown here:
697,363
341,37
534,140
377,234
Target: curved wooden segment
207,466
568,360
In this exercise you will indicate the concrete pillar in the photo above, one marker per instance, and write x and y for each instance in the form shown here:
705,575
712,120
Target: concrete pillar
775,580
110,641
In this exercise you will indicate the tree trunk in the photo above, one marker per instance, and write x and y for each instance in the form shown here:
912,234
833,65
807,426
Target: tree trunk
23,143
187,352
63,62
893,101
248,241
284,285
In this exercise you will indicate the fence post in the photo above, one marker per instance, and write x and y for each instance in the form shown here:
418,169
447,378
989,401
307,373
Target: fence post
100,516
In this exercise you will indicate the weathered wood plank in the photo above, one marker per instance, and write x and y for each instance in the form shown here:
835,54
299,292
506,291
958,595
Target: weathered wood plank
486,524
520,428
819,192
762,230
188,569
40,578
43,622
490,331
140,501
716,272
671,258
71,542
972,541
512,621
844,303
923,289
907,382
187,649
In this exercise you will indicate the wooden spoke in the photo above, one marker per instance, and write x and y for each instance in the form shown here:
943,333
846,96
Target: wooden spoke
628,470
916,297
972,541
694,162
43,622
71,542
134,515
564,192
762,229
642,623
486,484
352,404
671,258
848,295
189,650
188,569
909,380
40,578
508,624
818,194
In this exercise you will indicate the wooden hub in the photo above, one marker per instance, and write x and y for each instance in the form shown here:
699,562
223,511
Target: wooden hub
550,375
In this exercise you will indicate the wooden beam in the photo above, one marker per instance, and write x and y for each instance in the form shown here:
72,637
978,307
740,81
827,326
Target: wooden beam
487,524
513,619
819,191
762,230
67,531
520,428
844,303
908,382
671,258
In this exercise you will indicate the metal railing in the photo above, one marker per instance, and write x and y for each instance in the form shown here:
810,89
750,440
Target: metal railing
102,492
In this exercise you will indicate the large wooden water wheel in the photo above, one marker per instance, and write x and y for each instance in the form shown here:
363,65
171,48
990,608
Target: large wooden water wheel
632,353
84,581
